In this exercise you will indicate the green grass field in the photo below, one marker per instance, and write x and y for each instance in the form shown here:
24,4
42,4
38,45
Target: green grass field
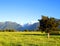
28,39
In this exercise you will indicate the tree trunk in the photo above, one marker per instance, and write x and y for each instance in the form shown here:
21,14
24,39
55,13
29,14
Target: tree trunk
48,35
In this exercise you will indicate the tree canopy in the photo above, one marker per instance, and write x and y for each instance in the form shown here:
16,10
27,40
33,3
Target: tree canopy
48,24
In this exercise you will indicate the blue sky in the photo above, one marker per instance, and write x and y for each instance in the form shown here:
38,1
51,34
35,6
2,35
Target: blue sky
28,11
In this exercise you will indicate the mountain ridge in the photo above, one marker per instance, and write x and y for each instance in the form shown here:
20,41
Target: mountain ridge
16,26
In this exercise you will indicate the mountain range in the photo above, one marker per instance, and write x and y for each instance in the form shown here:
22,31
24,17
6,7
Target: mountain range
16,26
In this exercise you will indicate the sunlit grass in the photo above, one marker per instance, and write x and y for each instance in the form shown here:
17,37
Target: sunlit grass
28,39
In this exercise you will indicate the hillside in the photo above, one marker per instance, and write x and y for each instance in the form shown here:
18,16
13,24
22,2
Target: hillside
9,25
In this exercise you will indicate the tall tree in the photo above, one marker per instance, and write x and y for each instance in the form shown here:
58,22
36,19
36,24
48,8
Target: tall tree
48,24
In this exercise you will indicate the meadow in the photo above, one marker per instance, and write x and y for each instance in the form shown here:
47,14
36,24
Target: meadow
28,39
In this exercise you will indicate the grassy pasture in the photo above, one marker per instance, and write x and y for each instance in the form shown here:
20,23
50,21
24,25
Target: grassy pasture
28,39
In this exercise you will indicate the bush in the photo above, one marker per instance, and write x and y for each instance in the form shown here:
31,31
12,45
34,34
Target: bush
26,30
8,30
54,33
